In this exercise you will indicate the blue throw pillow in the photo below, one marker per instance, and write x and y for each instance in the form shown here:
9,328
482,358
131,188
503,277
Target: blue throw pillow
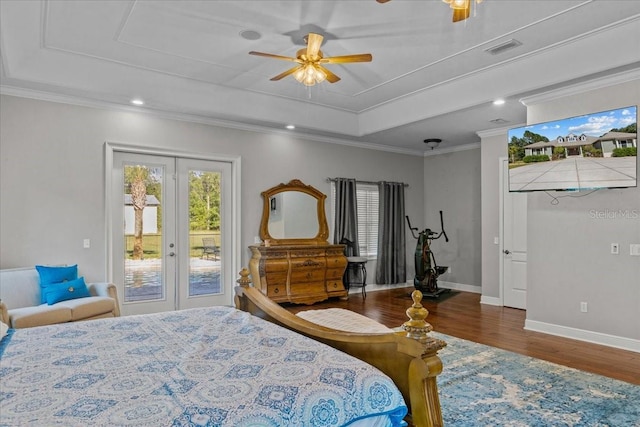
54,274
64,291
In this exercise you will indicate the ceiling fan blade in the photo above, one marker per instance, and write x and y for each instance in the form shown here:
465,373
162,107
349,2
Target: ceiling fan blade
331,78
314,41
286,73
361,57
270,55
382,1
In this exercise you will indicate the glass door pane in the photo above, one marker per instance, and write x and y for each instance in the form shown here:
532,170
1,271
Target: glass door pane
142,233
144,248
204,233
204,216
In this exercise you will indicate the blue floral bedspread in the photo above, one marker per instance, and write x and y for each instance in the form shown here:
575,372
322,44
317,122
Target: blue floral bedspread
199,367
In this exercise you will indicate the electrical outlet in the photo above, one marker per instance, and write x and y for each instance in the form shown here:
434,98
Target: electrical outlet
615,248
634,249
583,307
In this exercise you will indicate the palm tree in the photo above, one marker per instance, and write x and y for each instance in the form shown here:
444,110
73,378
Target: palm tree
138,190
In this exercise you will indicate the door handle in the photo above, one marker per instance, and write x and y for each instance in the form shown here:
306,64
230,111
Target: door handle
172,254
506,252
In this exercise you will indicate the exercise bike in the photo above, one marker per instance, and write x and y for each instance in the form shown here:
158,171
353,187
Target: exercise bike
427,270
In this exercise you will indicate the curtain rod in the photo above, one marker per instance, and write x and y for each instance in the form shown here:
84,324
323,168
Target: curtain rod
368,182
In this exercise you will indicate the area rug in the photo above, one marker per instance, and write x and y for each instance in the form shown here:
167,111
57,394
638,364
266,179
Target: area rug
487,386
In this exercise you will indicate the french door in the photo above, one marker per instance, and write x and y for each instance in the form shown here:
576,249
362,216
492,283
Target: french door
172,232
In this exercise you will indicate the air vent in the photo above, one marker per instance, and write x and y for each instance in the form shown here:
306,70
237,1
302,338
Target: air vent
500,48
499,121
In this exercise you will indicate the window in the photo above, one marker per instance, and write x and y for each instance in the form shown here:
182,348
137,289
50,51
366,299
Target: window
367,197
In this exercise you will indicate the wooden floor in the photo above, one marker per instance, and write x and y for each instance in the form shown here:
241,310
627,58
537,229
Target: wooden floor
462,316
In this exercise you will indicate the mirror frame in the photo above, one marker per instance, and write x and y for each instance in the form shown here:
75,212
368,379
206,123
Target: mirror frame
294,185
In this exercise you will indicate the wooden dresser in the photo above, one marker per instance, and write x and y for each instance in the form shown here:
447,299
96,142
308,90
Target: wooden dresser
302,274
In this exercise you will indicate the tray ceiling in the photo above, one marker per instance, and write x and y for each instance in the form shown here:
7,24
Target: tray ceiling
429,77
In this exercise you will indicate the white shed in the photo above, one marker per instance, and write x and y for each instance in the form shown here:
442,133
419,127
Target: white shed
149,215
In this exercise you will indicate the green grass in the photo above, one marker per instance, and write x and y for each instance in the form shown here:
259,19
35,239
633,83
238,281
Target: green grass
151,243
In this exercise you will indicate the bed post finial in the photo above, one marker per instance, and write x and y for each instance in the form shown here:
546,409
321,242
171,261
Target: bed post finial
244,279
417,328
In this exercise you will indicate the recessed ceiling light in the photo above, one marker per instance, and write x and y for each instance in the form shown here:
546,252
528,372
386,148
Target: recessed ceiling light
290,127
498,102
137,101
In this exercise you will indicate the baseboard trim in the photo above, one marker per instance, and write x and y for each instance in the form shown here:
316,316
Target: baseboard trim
441,284
490,301
583,335
459,287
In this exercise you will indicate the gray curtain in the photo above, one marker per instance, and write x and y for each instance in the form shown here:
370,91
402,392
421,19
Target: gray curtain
346,213
391,265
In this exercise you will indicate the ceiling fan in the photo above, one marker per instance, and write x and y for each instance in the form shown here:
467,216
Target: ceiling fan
309,69
461,8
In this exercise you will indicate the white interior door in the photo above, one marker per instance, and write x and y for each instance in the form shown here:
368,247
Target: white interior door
171,232
514,244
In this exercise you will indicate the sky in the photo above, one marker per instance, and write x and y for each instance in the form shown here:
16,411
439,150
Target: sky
595,124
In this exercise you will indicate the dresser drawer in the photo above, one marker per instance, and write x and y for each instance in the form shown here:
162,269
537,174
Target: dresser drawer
306,275
278,264
308,263
335,286
334,274
276,291
308,288
337,262
277,277
307,253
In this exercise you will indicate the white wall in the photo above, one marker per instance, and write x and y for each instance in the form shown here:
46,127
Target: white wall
52,176
569,244
452,185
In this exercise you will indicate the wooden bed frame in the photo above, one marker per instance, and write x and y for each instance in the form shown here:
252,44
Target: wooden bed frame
409,358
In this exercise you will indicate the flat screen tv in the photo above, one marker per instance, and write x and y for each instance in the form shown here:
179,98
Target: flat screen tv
587,152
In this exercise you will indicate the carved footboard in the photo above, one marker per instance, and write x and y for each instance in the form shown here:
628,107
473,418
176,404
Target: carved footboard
409,358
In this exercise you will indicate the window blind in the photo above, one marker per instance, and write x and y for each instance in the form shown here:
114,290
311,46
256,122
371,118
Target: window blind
367,199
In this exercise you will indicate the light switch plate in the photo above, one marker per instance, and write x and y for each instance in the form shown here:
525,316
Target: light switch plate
634,249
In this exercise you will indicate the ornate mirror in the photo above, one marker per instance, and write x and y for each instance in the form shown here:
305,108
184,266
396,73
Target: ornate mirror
293,214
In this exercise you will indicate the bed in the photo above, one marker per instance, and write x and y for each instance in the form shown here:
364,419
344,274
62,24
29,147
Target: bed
409,357
216,366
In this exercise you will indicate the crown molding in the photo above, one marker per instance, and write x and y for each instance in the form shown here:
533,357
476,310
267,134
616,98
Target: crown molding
497,132
578,88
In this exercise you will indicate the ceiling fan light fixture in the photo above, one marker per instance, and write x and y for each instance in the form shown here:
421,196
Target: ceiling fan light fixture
458,4
309,74
461,8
